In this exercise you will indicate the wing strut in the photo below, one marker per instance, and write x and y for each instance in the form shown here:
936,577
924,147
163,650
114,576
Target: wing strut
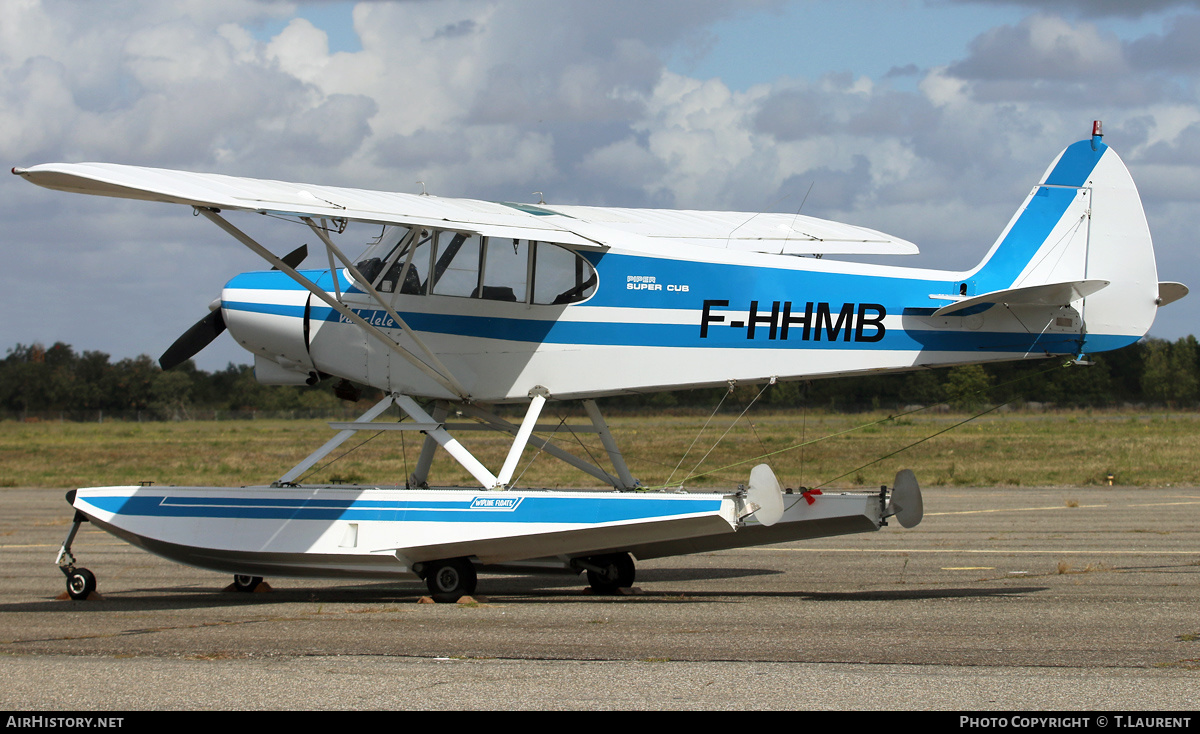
441,377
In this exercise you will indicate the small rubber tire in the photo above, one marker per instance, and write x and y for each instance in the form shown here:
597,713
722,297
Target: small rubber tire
81,583
246,584
619,573
450,580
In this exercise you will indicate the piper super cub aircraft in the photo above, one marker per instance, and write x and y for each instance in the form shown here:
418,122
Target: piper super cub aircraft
461,304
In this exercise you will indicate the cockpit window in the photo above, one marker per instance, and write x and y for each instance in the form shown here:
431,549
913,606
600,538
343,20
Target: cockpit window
384,263
506,270
449,263
371,263
561,276
456,269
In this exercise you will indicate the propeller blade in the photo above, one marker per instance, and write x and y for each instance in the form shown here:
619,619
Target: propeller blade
295,257
210,327
193,340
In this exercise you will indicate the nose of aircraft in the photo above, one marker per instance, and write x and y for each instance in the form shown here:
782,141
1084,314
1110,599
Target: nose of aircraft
268,314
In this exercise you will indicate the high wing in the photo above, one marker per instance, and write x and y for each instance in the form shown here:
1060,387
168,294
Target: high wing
773,233
649,230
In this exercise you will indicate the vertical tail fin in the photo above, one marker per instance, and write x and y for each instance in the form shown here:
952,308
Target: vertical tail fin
1083,222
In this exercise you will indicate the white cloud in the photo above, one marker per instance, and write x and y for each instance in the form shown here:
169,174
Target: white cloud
301,50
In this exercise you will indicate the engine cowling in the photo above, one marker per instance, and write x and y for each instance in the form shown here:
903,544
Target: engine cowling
268,314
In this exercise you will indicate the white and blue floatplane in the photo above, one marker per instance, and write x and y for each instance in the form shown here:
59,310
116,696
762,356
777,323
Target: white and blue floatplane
459,305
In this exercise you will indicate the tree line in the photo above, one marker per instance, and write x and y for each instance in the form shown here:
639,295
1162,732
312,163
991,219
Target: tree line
1150,372
34,378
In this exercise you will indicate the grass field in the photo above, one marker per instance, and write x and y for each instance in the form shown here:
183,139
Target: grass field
1069,449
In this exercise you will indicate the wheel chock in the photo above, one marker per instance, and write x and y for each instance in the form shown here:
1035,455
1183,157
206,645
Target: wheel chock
93,596
262,588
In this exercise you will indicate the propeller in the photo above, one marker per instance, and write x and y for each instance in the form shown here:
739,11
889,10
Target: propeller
210,327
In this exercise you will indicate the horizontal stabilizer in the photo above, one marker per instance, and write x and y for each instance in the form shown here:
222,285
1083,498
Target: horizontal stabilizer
1169,292
1053,294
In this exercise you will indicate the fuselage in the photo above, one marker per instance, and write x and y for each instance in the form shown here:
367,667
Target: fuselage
650,324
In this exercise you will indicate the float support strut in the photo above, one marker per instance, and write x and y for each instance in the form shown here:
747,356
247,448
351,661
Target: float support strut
537,400
336,441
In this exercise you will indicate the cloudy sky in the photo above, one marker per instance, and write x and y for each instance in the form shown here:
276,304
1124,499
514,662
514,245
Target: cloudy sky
928,119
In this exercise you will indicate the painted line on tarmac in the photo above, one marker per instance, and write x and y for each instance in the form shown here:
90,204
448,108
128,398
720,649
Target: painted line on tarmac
880,551
109,544
1013,509
1058,507
1165,504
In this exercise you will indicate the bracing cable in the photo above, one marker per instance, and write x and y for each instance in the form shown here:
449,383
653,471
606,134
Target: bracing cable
802,444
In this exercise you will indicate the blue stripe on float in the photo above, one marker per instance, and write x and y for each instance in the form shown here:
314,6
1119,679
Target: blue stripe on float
570,510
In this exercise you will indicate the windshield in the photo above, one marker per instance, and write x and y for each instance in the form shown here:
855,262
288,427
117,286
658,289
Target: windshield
371,262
